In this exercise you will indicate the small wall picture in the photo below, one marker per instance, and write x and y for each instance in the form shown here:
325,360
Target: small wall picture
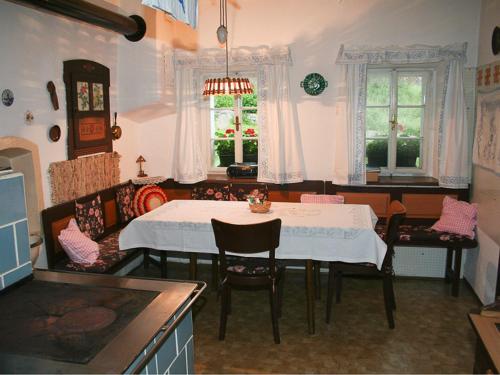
83,96
97,97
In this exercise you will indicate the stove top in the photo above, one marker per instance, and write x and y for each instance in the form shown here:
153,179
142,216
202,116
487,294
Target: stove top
66,322
78,323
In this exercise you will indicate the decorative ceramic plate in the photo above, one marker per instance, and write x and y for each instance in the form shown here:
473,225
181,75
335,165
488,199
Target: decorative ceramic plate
495,40
314,84
7,97
55,133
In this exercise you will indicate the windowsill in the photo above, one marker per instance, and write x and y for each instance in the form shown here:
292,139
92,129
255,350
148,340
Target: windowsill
405,180
224,177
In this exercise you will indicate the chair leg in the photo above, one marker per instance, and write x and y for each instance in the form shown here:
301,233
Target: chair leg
393,298
223,311
193,269
387,286
215,271
330,289
317,278
338,285
273,294
448,271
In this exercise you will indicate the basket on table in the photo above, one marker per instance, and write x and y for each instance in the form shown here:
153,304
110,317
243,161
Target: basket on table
259,207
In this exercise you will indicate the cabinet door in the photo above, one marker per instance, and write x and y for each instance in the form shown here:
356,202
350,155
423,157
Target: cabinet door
379,202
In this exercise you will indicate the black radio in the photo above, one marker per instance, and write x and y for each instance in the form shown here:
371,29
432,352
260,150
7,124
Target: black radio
242,170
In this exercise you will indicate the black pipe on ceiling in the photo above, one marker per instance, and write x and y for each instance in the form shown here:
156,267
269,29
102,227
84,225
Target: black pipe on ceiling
133,27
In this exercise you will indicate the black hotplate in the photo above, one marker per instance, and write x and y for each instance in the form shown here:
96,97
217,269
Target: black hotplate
68,322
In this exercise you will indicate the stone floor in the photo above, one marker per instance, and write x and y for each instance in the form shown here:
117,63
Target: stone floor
432,334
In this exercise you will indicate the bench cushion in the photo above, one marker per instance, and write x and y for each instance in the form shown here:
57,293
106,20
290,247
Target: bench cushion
90,217
109,256
211,193
251,266
423,235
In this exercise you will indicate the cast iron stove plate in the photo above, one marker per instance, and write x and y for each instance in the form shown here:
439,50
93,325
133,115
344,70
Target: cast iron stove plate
66,322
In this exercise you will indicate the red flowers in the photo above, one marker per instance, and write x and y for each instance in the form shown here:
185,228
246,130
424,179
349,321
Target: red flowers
250,132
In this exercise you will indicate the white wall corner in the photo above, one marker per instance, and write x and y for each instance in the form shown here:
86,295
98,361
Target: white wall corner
481,267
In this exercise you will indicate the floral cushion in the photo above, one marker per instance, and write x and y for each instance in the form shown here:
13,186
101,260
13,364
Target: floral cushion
212,193
241,194
124,199
424,235
89,216
251,266
109,255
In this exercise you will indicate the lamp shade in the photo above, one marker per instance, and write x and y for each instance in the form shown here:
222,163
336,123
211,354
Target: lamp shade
227,86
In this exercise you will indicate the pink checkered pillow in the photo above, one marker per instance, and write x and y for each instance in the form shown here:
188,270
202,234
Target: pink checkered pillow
321,198
457,217
78,246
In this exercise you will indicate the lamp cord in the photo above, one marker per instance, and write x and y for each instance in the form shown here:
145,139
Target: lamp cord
223,22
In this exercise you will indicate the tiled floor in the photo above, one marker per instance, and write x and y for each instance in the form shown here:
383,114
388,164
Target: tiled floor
432,334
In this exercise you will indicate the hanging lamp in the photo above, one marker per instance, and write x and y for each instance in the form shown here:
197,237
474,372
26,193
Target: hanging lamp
227,85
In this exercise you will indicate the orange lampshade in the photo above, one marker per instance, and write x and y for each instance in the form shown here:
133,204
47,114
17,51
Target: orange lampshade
227,86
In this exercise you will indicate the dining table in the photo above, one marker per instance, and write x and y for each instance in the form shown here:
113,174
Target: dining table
310,232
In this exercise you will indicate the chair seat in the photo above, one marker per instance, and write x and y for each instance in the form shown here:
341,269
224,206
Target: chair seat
109,256
418,234
250,266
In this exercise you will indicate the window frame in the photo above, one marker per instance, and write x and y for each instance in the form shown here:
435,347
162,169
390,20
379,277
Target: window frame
427,126
238,110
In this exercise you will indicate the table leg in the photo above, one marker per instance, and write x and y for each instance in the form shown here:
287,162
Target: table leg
455,286
215,272
310,295
163,264
193,260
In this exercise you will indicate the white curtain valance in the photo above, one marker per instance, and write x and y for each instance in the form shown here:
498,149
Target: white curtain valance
413,54
243,56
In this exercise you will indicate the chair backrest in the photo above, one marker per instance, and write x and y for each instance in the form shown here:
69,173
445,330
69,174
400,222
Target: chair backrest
396,215
321,198
247,239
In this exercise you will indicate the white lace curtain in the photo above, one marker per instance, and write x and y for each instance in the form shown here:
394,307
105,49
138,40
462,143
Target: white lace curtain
453,144
280,152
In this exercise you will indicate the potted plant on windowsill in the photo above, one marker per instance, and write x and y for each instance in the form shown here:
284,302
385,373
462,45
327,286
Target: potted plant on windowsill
376,152
250,146
225,148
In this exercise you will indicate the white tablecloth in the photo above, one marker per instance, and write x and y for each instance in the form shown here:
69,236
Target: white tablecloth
333,232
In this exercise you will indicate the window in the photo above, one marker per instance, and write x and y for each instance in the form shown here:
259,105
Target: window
234,129
397,118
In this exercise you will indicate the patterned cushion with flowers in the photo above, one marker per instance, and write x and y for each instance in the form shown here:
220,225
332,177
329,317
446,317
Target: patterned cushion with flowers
89,216
124,199
241,194
211,193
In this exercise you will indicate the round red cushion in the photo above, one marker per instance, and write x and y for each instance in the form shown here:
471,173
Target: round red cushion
147,198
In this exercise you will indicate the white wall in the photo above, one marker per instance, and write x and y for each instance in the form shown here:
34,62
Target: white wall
314,31
482,263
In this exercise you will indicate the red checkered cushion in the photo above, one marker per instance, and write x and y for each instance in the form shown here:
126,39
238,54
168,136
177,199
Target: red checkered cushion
78,246
457,217
321,198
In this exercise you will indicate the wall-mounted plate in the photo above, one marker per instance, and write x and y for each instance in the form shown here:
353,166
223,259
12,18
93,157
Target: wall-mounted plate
495,41
314,84
55,133
7,97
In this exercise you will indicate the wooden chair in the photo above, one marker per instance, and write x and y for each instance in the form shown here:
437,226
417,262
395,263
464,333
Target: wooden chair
320,199
396,215
249,273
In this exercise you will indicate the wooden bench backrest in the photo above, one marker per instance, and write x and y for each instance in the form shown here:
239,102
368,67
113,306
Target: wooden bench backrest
56,218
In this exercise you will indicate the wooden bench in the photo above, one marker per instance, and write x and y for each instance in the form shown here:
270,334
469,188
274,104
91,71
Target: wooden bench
110,260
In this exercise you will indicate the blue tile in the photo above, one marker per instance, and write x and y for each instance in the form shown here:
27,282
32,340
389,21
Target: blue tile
151,366
23,242
166,354
12,200
190,356
7,249
185,330
17,275
179,365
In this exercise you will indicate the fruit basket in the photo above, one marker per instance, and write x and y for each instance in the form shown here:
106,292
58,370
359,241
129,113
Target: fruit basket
260,207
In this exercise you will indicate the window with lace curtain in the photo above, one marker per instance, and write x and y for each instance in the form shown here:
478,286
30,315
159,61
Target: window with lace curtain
398,114
234,129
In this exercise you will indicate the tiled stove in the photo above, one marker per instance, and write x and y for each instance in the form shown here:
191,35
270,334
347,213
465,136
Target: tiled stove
57,322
